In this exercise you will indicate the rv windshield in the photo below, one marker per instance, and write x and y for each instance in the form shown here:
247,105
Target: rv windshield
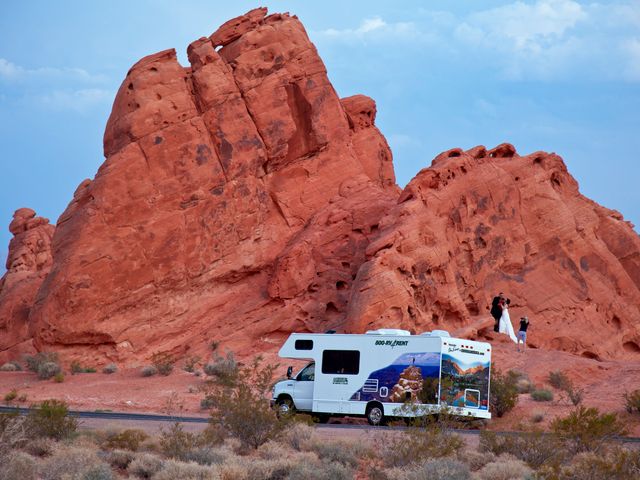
307,374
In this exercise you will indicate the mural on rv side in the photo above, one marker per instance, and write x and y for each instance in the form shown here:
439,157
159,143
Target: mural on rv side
412,376
465,384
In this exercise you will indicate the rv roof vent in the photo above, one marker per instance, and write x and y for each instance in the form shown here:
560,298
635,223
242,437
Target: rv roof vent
439,333
389,331
330,331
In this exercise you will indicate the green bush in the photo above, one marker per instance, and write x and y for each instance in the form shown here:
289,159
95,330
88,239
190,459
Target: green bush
440,469
33,362
586,429
241,408
145,465
632,401
129,439
58,377
149,371
110,368
175,442
8,367
191,363
163,362
51,419
542,395
534,448
225,370
558,379
342,452
11,396
615,464
47,370
504,392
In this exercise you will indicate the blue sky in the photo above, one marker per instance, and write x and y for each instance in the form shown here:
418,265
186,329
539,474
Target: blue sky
554,75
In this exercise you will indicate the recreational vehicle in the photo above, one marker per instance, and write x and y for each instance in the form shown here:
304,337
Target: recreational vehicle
380,373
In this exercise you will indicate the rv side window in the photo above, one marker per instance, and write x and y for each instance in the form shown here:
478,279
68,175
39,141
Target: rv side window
304,344
345,362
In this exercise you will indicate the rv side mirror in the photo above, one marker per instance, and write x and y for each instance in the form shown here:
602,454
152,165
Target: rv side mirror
289,371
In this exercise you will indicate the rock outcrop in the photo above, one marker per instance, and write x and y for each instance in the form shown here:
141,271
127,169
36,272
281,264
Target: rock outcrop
481,222
241,199
28,262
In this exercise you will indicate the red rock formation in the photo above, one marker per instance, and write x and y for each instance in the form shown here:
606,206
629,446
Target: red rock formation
211,171
241,200
28,262
480,222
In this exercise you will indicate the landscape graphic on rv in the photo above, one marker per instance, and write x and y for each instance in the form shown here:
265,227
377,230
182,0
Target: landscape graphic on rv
465,384
402,380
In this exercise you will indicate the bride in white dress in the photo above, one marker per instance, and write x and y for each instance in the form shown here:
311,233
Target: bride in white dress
505,325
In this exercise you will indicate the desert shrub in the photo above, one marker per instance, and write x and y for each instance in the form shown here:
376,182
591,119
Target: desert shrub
505,467
129,439
205,455
110,368
89,370
11,396
542,395
586,429
616,464
241,408
173,470
206,403
558,379
440,469
524,385
8,367
534,448
18,465
163,362
145,465
504,392
214,345
324,471
47,370
120,458
51,419
224,369
299,435
537,417
14,432
337,451
76,368
632,401
475,459
33,362
417,444
149,371
74,464
102,471
40,447
58,377
175,442
191,363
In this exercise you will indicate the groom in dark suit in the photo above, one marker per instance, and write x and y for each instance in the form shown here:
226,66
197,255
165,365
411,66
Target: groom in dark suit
496,311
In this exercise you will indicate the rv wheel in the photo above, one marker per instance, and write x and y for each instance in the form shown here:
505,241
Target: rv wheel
284,408
375,414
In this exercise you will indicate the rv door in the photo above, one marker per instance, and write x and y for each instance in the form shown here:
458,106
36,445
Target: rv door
303,389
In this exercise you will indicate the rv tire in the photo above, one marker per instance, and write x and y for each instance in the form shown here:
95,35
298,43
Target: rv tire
375,414
284,407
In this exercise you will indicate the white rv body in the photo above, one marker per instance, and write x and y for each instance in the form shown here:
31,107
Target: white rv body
386,369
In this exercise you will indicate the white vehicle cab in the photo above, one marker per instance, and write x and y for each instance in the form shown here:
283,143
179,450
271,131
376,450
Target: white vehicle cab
377,373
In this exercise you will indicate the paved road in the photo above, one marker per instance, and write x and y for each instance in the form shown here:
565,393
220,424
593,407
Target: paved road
152,423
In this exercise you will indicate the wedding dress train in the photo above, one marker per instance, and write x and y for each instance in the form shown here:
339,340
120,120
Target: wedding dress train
506,326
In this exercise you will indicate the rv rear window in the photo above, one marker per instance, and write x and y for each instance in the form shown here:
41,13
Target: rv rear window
345,362
304,344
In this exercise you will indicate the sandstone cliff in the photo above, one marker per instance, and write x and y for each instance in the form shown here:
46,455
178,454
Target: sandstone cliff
241,199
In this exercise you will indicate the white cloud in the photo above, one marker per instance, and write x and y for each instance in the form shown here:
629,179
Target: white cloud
12,72
76,100
632,47
371,28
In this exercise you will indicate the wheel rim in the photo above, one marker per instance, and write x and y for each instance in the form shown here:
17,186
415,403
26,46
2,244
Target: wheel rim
284,408
375,415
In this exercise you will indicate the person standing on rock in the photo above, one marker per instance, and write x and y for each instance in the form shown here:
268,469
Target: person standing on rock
505,320
522,333
496,311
